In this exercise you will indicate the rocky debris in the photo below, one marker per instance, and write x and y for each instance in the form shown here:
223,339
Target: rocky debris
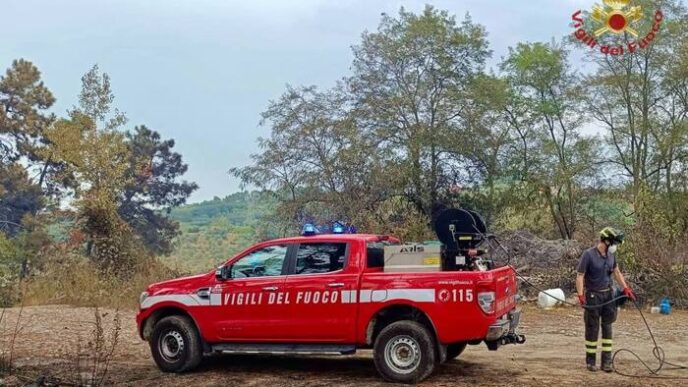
544,263
527,249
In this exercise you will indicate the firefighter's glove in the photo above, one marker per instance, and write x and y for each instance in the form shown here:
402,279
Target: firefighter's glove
581,298
629,293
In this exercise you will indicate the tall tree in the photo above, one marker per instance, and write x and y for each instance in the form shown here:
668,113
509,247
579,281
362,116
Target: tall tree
96,154
639,100
548,89
317,158
411,80
153,188
24,100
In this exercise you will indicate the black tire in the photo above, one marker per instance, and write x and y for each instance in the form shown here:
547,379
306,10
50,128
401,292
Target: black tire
402,342
454,350
175,344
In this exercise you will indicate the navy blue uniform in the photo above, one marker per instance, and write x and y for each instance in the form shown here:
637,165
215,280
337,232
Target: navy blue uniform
597,270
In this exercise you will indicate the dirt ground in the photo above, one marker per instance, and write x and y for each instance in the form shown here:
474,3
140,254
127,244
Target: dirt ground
52,340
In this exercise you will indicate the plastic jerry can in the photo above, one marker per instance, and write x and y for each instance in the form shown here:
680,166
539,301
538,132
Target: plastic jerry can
665,306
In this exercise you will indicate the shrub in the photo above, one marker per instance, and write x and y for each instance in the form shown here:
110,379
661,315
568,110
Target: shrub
10,267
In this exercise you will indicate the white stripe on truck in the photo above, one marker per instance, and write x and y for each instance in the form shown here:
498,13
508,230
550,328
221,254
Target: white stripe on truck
184,299
346,297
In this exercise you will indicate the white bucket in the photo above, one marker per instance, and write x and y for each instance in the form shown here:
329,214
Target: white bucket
550,297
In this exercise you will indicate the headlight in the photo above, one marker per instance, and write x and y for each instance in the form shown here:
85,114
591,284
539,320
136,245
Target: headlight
142,297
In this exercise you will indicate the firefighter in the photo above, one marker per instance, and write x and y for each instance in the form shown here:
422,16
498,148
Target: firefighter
594,287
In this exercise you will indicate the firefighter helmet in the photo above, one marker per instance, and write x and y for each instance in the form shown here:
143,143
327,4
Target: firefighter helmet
612,235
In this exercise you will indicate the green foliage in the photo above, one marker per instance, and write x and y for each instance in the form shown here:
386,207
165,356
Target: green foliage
412,79
10,266
19,196
23,101
153,188
548,91
214,230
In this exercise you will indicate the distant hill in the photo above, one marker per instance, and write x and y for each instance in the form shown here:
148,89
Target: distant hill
214,230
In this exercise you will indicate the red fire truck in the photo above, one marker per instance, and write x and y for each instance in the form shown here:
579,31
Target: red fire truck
325,294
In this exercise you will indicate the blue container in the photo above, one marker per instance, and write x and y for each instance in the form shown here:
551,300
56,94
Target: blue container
665,306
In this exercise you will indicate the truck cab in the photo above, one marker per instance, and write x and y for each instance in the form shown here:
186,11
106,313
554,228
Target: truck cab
329,294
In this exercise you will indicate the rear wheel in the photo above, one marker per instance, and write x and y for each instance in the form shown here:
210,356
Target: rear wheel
175,344
454,350
405,352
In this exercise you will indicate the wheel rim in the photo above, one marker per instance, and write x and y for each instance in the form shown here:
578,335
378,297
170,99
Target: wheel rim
402,354
171,345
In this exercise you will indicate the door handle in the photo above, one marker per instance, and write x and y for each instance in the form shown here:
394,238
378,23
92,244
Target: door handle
270,288
336,285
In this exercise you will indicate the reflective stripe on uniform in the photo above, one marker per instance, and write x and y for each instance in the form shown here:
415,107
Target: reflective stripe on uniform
590,346
607,345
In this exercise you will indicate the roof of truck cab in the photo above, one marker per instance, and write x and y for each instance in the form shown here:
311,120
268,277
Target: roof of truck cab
330,237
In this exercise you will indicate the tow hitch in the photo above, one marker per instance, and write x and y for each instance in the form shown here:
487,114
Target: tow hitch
509,338
503,331
512,338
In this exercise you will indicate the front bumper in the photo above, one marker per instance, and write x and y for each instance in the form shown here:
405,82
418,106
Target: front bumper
503,331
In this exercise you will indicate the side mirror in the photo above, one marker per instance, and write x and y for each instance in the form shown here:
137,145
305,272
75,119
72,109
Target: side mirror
223,273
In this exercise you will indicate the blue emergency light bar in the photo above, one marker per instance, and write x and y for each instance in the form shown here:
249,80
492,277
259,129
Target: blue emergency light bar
338,227
309,229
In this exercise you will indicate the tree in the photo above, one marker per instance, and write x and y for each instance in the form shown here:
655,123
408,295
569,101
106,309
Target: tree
411,87
317,158
98,158
24,100
549,91
640,99
153,188
486,142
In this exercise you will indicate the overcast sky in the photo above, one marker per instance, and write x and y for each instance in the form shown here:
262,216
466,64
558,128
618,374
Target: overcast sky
201,71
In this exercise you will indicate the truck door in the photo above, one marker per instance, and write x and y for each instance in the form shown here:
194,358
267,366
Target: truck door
323,289
253,303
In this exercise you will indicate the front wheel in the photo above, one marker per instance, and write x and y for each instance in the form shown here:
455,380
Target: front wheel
405,352
175,344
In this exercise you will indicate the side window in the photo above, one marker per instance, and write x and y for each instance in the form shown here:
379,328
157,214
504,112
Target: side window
376,253
265,262
315,258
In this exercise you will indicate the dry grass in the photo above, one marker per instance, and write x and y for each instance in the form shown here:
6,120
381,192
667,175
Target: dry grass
82,360
89,363
78,282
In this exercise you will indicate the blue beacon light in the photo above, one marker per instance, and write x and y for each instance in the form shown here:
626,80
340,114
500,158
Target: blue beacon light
338,228
309,229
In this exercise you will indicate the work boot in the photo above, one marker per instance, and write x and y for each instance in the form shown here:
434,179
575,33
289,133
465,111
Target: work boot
607,362
590,360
